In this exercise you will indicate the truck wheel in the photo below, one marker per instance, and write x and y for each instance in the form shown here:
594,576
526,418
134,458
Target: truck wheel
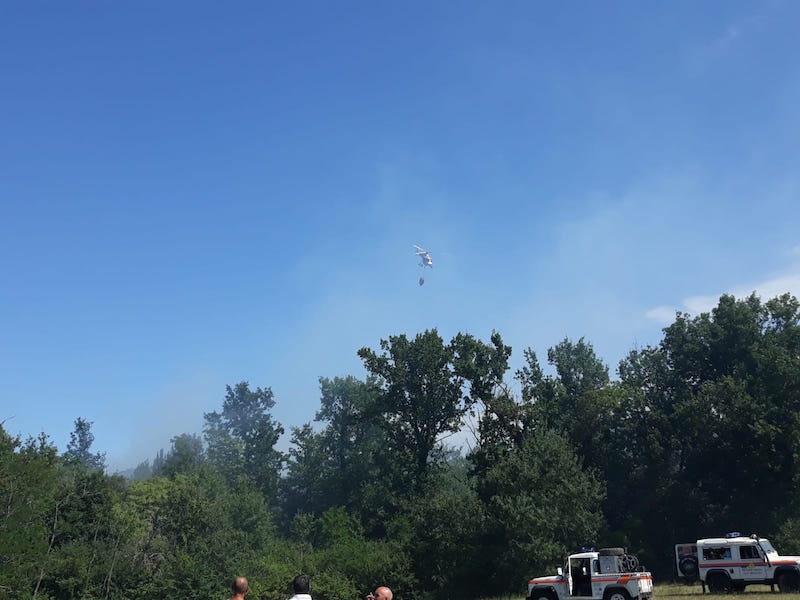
541,596
688,567
789,582
719,583
617,594
611,552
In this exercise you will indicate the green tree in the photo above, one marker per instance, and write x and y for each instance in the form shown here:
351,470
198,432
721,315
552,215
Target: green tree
332,467
422,396
539,503
194,532
444,534
80,444
709,421
185,455
241,438
427,388
580,394
342,562
539,498
27,486
142,471
304,488
80,536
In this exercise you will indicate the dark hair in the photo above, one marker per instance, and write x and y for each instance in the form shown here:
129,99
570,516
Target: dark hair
301,584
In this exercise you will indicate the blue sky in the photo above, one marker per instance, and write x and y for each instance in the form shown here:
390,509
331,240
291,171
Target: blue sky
194,194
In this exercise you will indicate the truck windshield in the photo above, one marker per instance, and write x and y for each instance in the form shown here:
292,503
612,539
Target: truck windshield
767,547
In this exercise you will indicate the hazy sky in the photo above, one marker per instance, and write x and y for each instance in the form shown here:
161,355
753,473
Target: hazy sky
193,194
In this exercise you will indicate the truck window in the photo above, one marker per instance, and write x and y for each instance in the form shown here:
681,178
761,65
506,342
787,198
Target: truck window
767,547
748,552
718,553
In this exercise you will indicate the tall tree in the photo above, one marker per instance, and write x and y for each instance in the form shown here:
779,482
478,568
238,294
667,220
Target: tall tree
539,498
80,444
185,455
331,467
539,502
580,394
421,398
241,438
303,489
710,421
425,393
444,534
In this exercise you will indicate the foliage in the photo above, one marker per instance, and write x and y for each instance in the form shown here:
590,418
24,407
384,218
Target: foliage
788,537
185,456
540,503
333,551
421,397
710,424
79,447
693,434
333,467
424,395
443,534
241,438
26,489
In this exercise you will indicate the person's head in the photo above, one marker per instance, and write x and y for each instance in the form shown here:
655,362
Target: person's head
240,586
301,584
383,593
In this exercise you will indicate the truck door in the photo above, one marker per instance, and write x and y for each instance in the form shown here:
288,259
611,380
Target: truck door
597,586
751,565
568,575
580,580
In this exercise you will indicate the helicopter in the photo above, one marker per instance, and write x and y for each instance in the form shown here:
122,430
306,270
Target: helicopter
425,259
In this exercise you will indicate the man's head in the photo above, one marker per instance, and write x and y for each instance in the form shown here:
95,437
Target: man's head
240,586
301,584
383,593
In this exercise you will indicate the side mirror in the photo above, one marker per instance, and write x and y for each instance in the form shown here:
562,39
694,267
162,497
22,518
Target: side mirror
560,571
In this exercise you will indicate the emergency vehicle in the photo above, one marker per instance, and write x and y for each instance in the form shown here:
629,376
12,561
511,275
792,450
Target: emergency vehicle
735,561
605,574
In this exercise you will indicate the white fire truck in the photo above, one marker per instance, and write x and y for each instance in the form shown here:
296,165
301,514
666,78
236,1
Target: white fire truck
733,562
605,574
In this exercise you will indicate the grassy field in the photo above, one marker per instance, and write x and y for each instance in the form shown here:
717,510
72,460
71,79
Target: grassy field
680,591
